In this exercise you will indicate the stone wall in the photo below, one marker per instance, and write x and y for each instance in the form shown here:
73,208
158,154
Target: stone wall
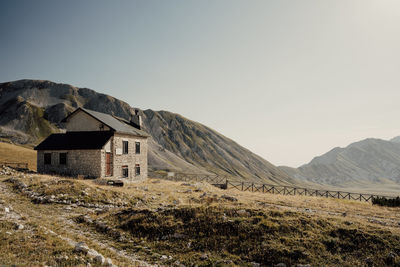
130,159
107,148
93,162
79,162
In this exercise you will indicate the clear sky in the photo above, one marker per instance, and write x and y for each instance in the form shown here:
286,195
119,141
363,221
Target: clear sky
289,80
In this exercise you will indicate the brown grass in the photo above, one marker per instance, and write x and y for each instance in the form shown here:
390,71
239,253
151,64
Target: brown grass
19,154
294,229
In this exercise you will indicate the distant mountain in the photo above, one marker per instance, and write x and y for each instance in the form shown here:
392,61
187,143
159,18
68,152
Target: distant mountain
395,139
371,161
31,109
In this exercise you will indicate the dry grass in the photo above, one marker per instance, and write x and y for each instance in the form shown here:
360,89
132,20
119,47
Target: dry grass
19,154
154,193
292,229
161,192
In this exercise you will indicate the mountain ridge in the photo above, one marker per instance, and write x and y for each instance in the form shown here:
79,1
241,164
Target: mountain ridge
31,109
369,161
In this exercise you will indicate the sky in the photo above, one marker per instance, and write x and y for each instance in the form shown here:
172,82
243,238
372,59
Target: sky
289,80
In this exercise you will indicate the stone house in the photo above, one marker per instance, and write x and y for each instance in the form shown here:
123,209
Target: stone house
96,145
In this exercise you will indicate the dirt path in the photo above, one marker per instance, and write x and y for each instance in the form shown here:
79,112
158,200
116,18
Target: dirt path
57,221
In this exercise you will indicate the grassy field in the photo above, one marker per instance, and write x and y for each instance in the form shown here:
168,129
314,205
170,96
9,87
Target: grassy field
171,223
14,153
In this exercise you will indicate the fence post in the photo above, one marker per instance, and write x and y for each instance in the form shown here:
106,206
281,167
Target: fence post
252,187
242,185
226,184
294,191
263,188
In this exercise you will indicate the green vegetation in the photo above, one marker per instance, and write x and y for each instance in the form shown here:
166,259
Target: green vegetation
239,237
37,125
389,202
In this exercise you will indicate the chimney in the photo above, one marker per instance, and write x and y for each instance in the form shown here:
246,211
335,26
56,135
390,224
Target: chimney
136,120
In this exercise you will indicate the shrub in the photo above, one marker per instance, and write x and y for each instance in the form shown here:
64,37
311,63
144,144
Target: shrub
389,202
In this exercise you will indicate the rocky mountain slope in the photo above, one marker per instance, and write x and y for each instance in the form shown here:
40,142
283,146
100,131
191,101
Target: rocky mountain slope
32,109
371,161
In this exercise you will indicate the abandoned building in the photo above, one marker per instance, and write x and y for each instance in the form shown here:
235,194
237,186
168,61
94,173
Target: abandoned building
96,145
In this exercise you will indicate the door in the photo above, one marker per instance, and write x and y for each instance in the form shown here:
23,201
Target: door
108,164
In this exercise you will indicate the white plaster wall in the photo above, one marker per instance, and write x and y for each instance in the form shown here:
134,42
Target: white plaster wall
81,121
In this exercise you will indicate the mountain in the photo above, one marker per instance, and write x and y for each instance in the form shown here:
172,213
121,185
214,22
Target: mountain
32,109
371,161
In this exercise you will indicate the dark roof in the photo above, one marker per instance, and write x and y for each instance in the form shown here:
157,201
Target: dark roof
117,124
75,140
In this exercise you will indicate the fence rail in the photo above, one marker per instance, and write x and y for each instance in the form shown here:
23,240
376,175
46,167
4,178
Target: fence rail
223,182
293,191
213,179
19,165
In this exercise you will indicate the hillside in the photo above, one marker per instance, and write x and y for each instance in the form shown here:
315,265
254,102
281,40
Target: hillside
371,162
164,223
17,154
31,109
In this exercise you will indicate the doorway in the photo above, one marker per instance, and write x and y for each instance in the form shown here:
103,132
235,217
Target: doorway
108,164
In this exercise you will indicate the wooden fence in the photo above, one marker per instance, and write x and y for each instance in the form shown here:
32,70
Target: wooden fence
293,191
222,181
18,165
213,179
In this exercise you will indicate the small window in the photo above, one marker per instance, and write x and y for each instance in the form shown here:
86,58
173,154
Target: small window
63,158
137,170
124,147
125,172
47,158
137,147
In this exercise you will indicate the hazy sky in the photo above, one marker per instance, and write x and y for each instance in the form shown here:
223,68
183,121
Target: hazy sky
289,80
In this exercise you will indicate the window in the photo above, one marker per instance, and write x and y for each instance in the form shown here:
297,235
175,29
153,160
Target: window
63,158
137,170
124,147
47,158
137,147
125,172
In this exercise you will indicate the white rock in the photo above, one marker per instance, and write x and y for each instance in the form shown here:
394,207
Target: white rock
81,247
92,253
6,210
204,257
108,262
242,213
99,259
